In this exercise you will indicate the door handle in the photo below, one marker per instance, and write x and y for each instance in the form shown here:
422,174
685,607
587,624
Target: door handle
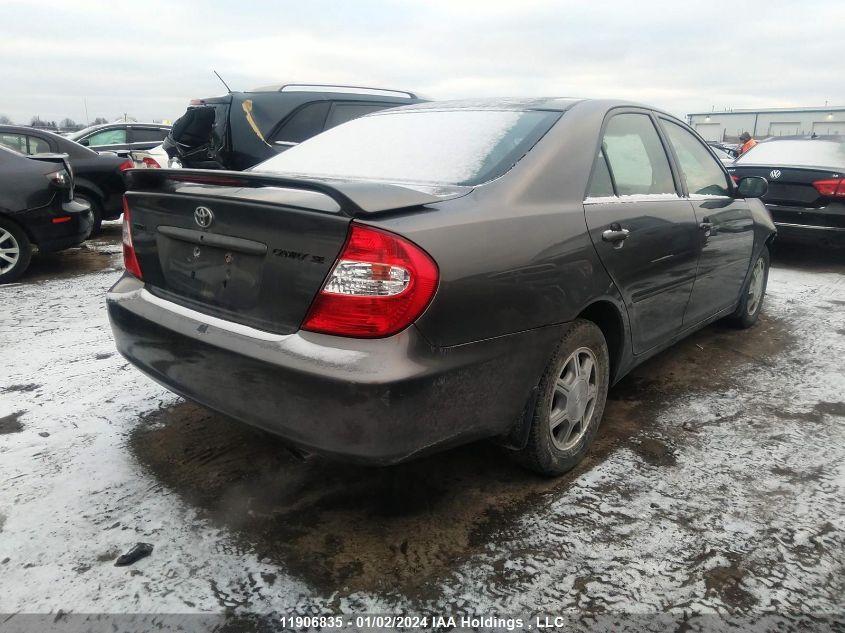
615,236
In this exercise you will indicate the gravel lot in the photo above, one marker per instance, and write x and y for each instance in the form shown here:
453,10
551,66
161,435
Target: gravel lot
716,484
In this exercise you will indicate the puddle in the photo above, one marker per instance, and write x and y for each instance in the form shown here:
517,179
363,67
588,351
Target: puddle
348,528
99,254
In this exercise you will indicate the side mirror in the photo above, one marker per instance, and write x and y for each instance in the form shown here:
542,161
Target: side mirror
752,187
84,142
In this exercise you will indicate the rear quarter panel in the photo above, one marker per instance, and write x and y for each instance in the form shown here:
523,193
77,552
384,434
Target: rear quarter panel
515,253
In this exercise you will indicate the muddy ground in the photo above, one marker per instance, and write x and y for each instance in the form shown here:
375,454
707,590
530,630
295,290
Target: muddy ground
715,484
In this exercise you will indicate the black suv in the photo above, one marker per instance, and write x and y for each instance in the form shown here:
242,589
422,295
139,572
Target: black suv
241,129
121,137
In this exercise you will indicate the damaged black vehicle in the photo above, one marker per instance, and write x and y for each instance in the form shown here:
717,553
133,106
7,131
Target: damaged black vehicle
431,275
240,129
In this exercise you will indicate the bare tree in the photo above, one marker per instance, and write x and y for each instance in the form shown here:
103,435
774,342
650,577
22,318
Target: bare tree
99,120
4,120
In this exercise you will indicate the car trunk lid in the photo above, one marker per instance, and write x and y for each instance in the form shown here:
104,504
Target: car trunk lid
787,185
250,248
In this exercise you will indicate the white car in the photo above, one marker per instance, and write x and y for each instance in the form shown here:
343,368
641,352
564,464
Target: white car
154,158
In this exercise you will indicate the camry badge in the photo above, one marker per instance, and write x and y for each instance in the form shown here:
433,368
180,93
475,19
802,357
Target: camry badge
203,217
774,174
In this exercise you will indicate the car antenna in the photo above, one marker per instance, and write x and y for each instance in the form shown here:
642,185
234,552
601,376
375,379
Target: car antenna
221,80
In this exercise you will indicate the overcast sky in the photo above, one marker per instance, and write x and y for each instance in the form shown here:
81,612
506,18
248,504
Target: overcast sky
149,58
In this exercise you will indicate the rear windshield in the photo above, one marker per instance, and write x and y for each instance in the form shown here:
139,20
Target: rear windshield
802,153
455,147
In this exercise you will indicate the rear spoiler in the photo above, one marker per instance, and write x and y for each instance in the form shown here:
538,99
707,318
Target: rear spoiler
355,198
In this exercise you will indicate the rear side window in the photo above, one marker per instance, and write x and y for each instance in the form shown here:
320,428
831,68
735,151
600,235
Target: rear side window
601,185
38,145
108,137
343,112
148,135
304,123
635,156
700,170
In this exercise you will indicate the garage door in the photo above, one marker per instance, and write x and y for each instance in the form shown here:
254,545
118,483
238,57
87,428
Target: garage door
829,127
709,131
784,129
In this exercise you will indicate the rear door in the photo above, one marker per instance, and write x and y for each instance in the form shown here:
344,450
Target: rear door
644,232
725,225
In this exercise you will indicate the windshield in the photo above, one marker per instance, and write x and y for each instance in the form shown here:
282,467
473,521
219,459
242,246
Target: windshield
802,153
78,135
453,147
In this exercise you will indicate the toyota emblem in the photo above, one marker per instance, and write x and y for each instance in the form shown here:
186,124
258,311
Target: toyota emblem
774,174
203,217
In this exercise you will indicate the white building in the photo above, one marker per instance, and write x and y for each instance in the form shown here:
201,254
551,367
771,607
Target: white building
727,126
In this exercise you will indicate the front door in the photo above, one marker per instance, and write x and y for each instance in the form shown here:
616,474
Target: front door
644,232
726,228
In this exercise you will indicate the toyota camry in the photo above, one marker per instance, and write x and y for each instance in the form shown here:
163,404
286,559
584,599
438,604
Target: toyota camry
439,273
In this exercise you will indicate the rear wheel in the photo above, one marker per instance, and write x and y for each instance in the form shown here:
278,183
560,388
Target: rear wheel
15,251
572,395
96,210
751,301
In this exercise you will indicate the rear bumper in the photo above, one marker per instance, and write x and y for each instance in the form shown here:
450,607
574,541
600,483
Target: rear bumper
377,401
72,231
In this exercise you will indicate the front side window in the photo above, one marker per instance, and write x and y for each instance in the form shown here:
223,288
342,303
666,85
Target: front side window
635,156
116,136
699,169
449,147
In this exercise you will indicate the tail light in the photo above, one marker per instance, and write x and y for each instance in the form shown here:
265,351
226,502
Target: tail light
60,179
127,164
831,187
150,162
379,285
130,259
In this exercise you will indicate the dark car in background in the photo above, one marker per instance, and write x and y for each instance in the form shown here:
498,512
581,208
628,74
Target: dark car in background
37,208
98,178
435,274
806,194
121,137
241,129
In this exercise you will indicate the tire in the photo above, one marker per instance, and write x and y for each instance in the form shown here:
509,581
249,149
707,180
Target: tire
14,245
96,211
557,441
753,293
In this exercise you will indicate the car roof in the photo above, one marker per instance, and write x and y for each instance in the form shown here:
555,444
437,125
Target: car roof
804,137
555,104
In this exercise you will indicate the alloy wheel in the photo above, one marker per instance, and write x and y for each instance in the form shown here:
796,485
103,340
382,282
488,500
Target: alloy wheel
755,288
574,399
10,251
